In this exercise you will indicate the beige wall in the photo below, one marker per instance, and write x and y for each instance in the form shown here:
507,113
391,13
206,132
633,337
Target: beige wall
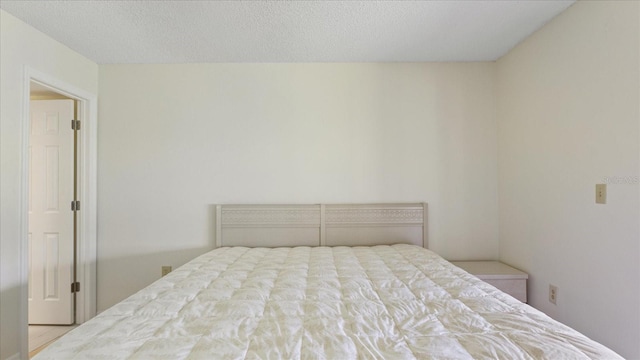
568,118
20,46
175,139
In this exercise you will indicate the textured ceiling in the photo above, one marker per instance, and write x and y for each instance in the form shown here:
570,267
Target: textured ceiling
287,31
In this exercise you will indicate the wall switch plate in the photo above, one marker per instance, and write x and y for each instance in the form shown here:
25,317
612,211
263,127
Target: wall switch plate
553,293
166,270
601,193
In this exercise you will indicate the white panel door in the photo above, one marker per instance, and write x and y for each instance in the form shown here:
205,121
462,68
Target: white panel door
50,215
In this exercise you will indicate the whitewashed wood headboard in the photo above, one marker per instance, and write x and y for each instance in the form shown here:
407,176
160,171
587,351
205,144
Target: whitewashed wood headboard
321,225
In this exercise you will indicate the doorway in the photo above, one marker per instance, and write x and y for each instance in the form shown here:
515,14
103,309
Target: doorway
51,254
52,184
52,223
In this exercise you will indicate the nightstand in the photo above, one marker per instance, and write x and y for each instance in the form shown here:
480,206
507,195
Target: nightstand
504,277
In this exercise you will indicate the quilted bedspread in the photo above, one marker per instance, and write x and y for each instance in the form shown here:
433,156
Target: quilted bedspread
381,302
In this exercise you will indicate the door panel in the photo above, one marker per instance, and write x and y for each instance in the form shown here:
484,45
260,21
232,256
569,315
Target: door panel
50,215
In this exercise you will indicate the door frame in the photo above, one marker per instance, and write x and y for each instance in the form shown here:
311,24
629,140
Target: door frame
86,298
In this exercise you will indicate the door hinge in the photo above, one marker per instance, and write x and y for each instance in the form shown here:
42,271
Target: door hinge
75,205
75,124
75,287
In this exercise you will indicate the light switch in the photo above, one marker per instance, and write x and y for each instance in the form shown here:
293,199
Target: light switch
601,193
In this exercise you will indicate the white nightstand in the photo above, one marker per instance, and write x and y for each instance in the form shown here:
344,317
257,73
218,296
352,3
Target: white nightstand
504,277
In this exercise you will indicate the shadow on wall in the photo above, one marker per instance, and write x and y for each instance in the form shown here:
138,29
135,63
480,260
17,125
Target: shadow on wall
10,324
116,282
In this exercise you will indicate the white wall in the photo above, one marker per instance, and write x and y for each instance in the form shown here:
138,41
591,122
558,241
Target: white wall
568,117
20,46
176,139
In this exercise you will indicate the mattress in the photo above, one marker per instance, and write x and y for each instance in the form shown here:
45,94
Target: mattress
381,302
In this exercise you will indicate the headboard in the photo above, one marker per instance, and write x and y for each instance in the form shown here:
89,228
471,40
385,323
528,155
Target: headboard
321,225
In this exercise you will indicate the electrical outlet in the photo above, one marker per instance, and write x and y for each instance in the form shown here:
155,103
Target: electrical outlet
166,270
553,293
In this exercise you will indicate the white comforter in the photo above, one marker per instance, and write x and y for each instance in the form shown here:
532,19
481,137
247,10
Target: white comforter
383,302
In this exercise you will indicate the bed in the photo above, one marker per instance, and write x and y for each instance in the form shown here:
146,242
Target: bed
322,282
